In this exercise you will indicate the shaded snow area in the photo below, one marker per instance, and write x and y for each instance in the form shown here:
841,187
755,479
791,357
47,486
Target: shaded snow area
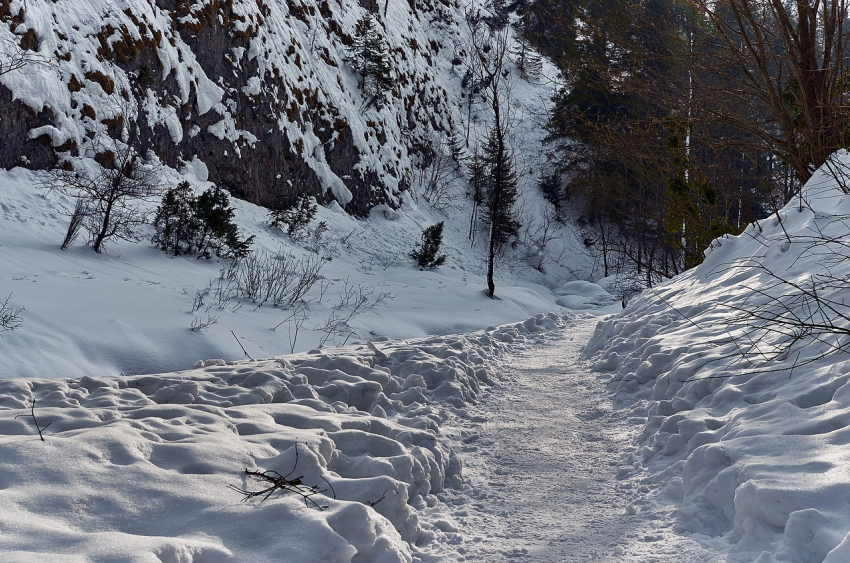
747,436
138,469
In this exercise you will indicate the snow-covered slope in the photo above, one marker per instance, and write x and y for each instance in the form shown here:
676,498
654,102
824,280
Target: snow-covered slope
746,386
131,310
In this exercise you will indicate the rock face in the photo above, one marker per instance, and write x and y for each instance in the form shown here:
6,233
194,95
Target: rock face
260,93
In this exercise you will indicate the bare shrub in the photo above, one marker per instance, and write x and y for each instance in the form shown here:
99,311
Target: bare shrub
10,316
109,196
338,324
280,279
78,218
436,179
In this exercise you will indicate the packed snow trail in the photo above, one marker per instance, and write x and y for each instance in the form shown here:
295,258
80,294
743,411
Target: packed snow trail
546,466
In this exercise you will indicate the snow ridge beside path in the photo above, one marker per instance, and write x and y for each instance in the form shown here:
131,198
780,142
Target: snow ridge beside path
137,468
751,451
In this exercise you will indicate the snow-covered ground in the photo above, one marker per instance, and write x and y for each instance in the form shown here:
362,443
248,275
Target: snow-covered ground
547,466
131,311
741,365
700,437
140,468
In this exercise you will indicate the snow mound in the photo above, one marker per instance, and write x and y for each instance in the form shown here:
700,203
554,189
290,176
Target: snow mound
580,295
139,468
747,429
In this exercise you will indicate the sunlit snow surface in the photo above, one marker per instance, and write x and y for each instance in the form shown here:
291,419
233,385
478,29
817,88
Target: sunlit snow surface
752,453
137,468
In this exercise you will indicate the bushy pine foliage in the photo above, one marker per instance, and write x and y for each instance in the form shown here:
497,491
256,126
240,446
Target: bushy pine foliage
175,221
201,225
296,218
369,57
427,253
500,191
553,190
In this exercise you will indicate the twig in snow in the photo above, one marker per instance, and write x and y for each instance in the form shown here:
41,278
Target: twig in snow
247,355
373,503
278,482
37,425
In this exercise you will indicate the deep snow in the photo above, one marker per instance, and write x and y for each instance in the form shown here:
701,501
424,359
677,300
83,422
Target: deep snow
137,468
747,435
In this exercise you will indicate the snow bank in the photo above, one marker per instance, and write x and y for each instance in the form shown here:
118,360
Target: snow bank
747,429
138,468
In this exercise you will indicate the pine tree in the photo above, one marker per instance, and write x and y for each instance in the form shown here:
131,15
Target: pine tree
175,221
369,57
218,232
500,196
501,191
426,253
186,224
553,191
296,218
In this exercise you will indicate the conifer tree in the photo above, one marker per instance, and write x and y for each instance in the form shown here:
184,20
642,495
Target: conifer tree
218,232
369,57
500,193
296,218
427,253
175,221
186,224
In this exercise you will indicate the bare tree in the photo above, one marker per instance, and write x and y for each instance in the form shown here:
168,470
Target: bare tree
776,70
113,192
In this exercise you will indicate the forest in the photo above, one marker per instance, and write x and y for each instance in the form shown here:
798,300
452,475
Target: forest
676,122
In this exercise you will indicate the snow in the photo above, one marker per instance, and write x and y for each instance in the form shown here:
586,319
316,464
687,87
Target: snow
544,455
138,468
130,311
675,450
431,439
748,436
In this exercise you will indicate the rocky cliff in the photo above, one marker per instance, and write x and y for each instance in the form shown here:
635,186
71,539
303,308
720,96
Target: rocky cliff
256,94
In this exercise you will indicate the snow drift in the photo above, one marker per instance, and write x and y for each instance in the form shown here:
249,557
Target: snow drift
137,468
748,406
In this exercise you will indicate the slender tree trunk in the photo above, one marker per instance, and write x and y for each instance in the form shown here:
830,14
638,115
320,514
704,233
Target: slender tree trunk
104,228
496,196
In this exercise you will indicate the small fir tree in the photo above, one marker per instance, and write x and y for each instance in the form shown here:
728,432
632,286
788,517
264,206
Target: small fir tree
553,191
369,57
186,224
175,222
218,232
296,218
426,253
500,191
500,196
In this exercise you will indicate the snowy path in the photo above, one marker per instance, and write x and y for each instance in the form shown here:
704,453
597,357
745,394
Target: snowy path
541,454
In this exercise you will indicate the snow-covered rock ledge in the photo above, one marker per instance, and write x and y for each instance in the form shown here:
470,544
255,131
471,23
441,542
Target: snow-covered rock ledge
137,468
750,451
